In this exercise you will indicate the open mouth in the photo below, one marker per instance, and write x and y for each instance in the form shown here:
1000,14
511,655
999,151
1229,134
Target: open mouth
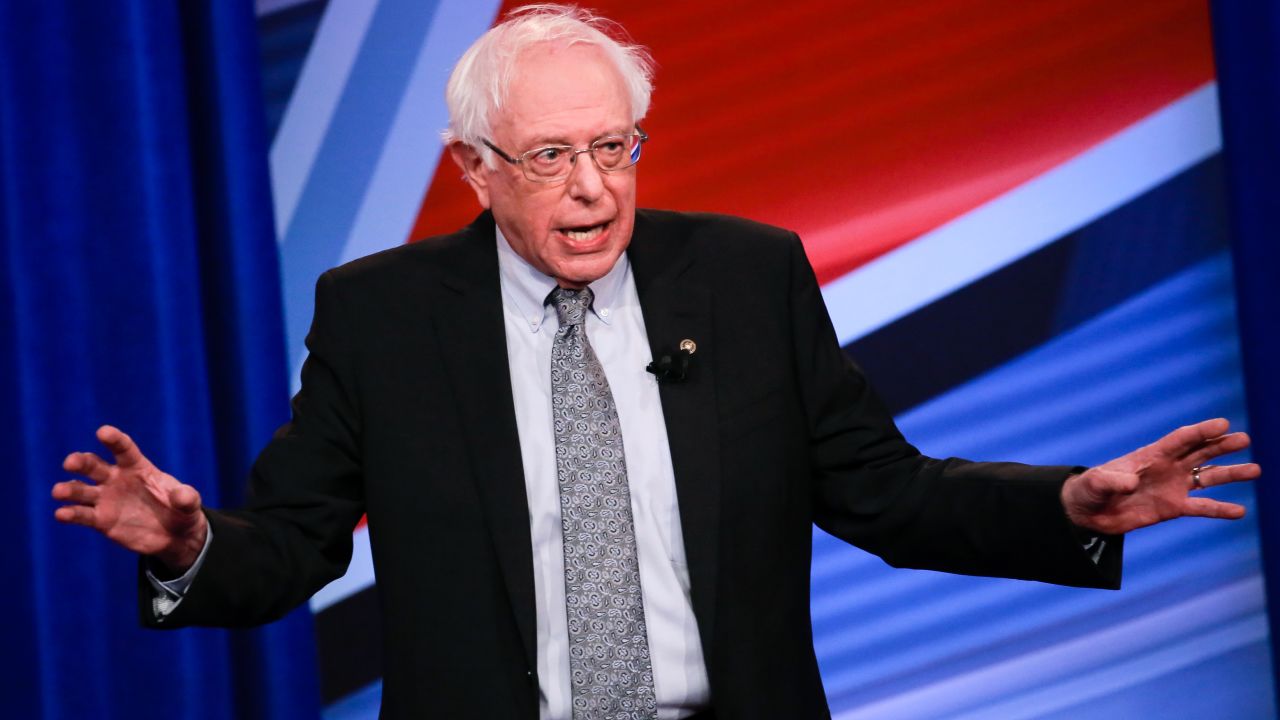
584,233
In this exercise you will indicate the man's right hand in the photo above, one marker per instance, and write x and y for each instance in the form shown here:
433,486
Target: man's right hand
134,503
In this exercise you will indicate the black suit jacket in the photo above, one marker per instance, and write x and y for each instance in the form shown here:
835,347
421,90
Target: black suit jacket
406,413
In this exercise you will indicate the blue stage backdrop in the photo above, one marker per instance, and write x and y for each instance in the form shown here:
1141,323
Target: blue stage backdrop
1247,45
140,288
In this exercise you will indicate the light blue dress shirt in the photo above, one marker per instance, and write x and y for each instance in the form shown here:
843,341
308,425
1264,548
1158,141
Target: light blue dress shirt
615,328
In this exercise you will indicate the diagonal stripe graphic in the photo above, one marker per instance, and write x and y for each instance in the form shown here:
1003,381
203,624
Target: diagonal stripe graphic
1028,217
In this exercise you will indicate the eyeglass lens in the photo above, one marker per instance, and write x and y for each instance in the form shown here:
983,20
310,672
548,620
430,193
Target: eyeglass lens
615,152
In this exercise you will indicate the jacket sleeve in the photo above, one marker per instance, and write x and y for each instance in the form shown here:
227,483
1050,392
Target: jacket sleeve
875,490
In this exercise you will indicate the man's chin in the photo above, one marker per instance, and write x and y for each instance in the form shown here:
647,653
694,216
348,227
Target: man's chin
580,272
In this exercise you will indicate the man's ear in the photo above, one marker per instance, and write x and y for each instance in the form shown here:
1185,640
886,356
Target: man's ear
473,168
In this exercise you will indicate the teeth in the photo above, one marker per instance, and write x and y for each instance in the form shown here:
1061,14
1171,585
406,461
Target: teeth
584,235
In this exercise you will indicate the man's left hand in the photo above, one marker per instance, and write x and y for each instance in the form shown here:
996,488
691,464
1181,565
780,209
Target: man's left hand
1154,483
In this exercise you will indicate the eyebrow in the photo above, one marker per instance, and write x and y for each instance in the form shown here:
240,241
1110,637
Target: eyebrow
546,140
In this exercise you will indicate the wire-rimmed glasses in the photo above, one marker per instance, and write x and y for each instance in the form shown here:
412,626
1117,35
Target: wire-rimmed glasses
553,163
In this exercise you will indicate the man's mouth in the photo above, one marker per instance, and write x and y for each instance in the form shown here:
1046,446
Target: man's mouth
584,233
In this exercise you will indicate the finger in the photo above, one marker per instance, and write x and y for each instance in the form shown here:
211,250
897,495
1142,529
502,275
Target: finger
185,498
76,515
121,446
1189,437
1223,474
89,465
1217,447
74,491
1210,508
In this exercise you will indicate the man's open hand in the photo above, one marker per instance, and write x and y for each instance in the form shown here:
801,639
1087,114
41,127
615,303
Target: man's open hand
133,502
1153,484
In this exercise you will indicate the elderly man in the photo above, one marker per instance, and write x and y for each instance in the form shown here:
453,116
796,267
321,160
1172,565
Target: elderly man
557,532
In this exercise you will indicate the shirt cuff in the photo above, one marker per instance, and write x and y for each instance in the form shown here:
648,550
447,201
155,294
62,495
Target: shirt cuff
1095,547
169,593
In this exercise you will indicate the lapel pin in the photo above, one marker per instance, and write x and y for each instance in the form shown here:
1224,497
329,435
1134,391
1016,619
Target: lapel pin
689,346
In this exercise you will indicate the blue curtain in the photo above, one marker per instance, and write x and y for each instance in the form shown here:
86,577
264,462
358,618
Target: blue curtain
1247,50
140,288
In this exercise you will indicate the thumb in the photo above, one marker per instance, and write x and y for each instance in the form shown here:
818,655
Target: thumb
1097,485
184,499
1112,482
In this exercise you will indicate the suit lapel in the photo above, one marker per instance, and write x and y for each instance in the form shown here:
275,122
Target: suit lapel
469,322
677,307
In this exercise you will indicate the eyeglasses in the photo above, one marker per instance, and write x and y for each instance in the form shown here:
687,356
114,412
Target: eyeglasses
553,163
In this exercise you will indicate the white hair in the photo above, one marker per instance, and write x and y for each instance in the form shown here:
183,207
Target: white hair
479,83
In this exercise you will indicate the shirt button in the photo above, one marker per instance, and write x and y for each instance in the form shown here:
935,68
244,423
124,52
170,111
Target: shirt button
604,312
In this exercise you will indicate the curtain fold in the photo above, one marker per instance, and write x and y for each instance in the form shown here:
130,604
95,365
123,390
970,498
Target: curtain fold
140,288
1246,37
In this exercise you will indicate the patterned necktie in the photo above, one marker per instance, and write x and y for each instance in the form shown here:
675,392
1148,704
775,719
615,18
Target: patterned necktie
609,667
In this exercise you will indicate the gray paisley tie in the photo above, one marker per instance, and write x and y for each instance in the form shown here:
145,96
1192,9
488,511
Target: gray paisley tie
609,668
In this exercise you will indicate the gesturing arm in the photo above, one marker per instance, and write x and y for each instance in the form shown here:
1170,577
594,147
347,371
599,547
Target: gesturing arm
292,537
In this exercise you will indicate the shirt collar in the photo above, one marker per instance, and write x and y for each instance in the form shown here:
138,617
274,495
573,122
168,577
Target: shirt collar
527,287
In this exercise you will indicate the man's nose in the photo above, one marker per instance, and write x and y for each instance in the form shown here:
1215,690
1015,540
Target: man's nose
586,182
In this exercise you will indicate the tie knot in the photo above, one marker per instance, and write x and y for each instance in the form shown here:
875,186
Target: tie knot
571,305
